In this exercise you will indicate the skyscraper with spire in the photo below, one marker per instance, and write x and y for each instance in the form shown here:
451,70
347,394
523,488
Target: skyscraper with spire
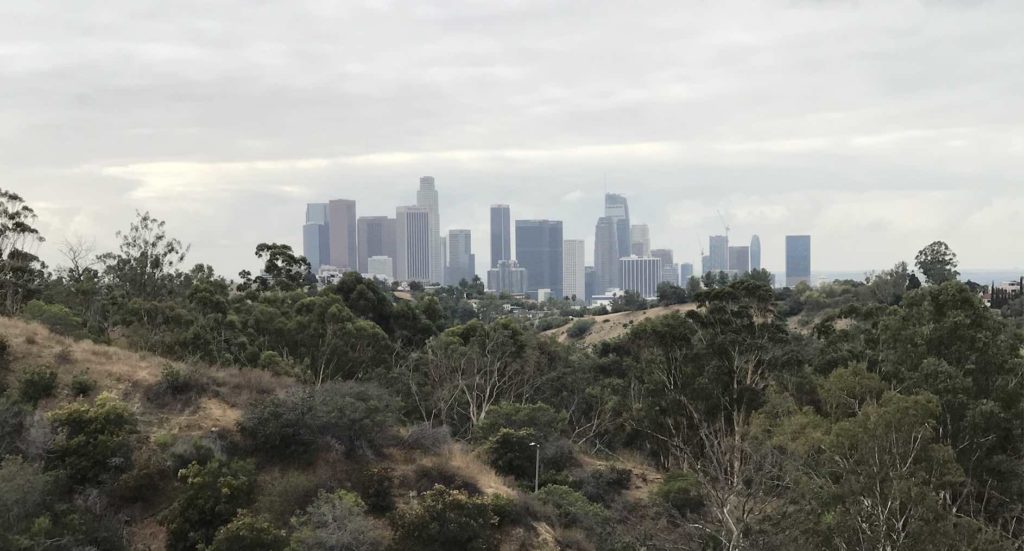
426,198
617,208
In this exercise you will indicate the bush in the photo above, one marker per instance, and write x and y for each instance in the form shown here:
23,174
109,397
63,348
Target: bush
12,423
509,452
212,495
281,496
25,491
580,328
56,318
425,438
63,357
82,384
93,440
247,531
147,479
190,449
681,491
542,419
176,383
569,508
549,323
358,417
338,521
376,487
36,384
605,484
5,353
443,519
425,477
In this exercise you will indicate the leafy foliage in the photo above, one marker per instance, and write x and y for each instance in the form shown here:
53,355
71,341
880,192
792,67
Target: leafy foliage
444,519
211,496
93,440
338,521
36,384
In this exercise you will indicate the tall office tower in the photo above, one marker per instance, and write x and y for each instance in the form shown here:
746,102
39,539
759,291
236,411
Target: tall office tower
705,264
426,197
669,269
640,240
589,284
444,255
412,244
718,253
341,226
798,259
501,234
641,274
508,277
376,238
685,272
574,275
739,259
380,266
606,254
539,250
755,253
316,236
461,260
616,207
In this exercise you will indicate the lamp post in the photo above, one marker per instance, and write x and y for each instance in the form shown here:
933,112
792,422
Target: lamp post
536,473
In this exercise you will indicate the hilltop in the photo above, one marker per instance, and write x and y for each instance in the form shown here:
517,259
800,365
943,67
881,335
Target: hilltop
610,326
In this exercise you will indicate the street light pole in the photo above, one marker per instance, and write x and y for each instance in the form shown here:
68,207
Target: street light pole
536,473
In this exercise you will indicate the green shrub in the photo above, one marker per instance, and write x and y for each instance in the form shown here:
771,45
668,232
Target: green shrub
338,521
509,452
188,449
82,384
549,323
580,328
63,357
56,318
605,484
148,478
93,440
358,417
570,509
177,383
542,419
444,519
283,495
25,491
12,422
248,531
680,490
36,384
5,353
212,495
425,438
376,487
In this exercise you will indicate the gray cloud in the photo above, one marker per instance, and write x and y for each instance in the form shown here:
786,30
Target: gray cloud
876,127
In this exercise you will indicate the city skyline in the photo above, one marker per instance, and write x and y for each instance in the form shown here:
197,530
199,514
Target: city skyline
782,128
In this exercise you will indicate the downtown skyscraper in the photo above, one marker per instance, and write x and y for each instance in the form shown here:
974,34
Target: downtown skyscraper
316,237
539,251
606,254
755,253
574,269
461,260
376,238
798,259
412,232
341,226
501,234
617,208
427,198
718,254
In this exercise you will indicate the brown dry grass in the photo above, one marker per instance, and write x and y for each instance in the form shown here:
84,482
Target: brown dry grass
613,325
130,374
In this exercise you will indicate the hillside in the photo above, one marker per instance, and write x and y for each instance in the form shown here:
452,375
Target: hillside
611,326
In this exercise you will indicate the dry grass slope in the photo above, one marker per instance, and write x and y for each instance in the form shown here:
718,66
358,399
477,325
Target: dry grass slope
613,325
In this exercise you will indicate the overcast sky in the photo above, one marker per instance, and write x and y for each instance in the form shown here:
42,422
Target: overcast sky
876,127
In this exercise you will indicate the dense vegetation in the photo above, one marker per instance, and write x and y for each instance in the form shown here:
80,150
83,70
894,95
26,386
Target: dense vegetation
885,414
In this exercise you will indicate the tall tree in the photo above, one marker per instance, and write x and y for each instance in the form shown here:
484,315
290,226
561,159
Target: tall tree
21,272
937,262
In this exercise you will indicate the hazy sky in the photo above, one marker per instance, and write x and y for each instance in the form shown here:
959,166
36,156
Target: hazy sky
876,126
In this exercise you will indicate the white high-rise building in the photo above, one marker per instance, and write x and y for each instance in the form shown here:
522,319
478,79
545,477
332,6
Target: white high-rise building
641,275
412,250
574,269
426,197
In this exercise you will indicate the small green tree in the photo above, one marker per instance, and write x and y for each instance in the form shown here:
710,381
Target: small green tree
93,440
212,496
338,521
248,531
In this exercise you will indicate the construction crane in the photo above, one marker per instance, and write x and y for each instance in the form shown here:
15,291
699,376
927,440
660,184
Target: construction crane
724,223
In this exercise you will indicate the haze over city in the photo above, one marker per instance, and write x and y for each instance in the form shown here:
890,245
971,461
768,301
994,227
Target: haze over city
875,128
